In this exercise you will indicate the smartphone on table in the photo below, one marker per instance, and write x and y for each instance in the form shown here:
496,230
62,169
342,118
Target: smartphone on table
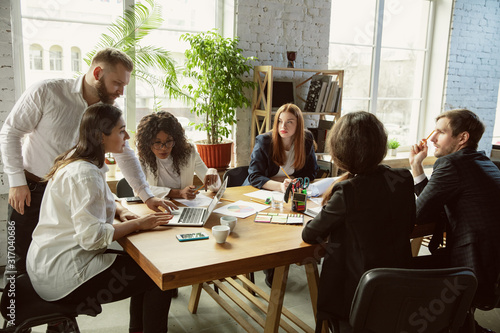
191,236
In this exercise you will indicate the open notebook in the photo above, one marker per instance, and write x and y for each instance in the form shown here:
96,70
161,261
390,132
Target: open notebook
196,216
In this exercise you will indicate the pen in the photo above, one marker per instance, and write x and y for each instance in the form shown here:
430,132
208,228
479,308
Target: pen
429,135
224,199
285,173
199,188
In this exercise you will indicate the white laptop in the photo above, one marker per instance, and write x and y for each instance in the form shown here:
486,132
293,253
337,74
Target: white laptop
196,216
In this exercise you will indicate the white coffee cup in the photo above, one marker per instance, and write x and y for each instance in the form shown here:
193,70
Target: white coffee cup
220,233
277,199
229,221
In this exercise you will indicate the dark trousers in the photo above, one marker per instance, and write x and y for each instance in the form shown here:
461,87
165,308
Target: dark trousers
25,224
149,305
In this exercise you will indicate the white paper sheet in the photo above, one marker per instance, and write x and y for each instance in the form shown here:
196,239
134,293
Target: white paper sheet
241,209
319,187
201,200
313,211
260,194
317,200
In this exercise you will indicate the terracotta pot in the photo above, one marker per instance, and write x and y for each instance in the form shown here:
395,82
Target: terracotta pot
215,156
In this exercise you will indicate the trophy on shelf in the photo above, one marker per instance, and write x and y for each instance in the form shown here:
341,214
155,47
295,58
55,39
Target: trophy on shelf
291,56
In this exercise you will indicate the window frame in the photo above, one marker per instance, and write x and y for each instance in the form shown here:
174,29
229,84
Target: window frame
224,18
373,98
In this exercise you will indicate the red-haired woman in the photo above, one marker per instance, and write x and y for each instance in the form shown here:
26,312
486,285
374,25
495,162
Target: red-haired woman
287,150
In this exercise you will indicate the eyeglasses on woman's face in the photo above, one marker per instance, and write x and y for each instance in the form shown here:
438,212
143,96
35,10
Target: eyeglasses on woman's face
160,145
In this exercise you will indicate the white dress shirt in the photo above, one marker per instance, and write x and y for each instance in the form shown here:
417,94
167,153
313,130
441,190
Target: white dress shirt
74,230
48,116
167,179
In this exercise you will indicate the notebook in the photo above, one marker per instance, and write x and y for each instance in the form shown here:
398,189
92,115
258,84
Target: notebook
196,216
279,218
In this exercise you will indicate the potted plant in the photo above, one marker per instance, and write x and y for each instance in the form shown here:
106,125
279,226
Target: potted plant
111,163
393,145
217,66
152,65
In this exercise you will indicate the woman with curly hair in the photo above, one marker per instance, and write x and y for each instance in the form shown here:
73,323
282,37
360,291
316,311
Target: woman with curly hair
169,160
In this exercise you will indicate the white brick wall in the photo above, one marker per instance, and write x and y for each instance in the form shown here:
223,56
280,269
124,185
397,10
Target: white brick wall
7,100
474,62
269,28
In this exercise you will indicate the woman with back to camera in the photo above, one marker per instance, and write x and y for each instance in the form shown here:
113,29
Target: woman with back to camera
367,216
169,160
287,150
67,259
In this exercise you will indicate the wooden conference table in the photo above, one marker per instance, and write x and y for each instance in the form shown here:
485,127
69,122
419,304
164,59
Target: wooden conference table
250,247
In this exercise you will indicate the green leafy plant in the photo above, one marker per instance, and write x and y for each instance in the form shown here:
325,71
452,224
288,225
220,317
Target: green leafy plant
217,67
152,65
393,144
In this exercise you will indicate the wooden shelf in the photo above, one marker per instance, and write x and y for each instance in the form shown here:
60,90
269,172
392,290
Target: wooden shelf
264,77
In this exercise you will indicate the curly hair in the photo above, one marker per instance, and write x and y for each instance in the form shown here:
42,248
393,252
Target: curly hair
148,129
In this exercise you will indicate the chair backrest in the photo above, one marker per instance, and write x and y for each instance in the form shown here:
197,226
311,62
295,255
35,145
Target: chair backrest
123,189
325,169
412,300
236,176
20,305
489,302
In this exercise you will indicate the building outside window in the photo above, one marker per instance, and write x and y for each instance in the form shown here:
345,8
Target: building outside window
56,58
76,59
36,57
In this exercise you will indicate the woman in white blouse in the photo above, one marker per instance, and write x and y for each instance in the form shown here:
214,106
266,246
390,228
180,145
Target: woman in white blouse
169,160
67,259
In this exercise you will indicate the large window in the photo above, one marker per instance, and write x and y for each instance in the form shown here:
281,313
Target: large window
70,29
383,46
180,16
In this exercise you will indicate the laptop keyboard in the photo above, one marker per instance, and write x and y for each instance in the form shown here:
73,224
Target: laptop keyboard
191,215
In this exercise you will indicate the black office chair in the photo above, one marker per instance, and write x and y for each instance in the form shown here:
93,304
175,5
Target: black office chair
390,300
29,310
484,304
325,169
123,189
236,176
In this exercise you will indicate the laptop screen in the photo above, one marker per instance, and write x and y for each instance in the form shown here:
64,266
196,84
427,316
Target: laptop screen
216,199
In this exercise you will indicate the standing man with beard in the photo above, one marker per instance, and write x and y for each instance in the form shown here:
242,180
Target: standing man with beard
48,116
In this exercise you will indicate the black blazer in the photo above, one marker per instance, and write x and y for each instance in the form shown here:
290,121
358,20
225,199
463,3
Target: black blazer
262,168
467,184
368,219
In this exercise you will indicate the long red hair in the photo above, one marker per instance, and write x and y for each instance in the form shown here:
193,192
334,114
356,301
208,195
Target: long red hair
278,156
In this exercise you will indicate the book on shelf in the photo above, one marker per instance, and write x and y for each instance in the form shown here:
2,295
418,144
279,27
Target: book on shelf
313,95
316,94
319,105
327,94
330,103
337,102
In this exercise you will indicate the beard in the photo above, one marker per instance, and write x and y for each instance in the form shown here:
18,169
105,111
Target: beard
103,93
443,151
